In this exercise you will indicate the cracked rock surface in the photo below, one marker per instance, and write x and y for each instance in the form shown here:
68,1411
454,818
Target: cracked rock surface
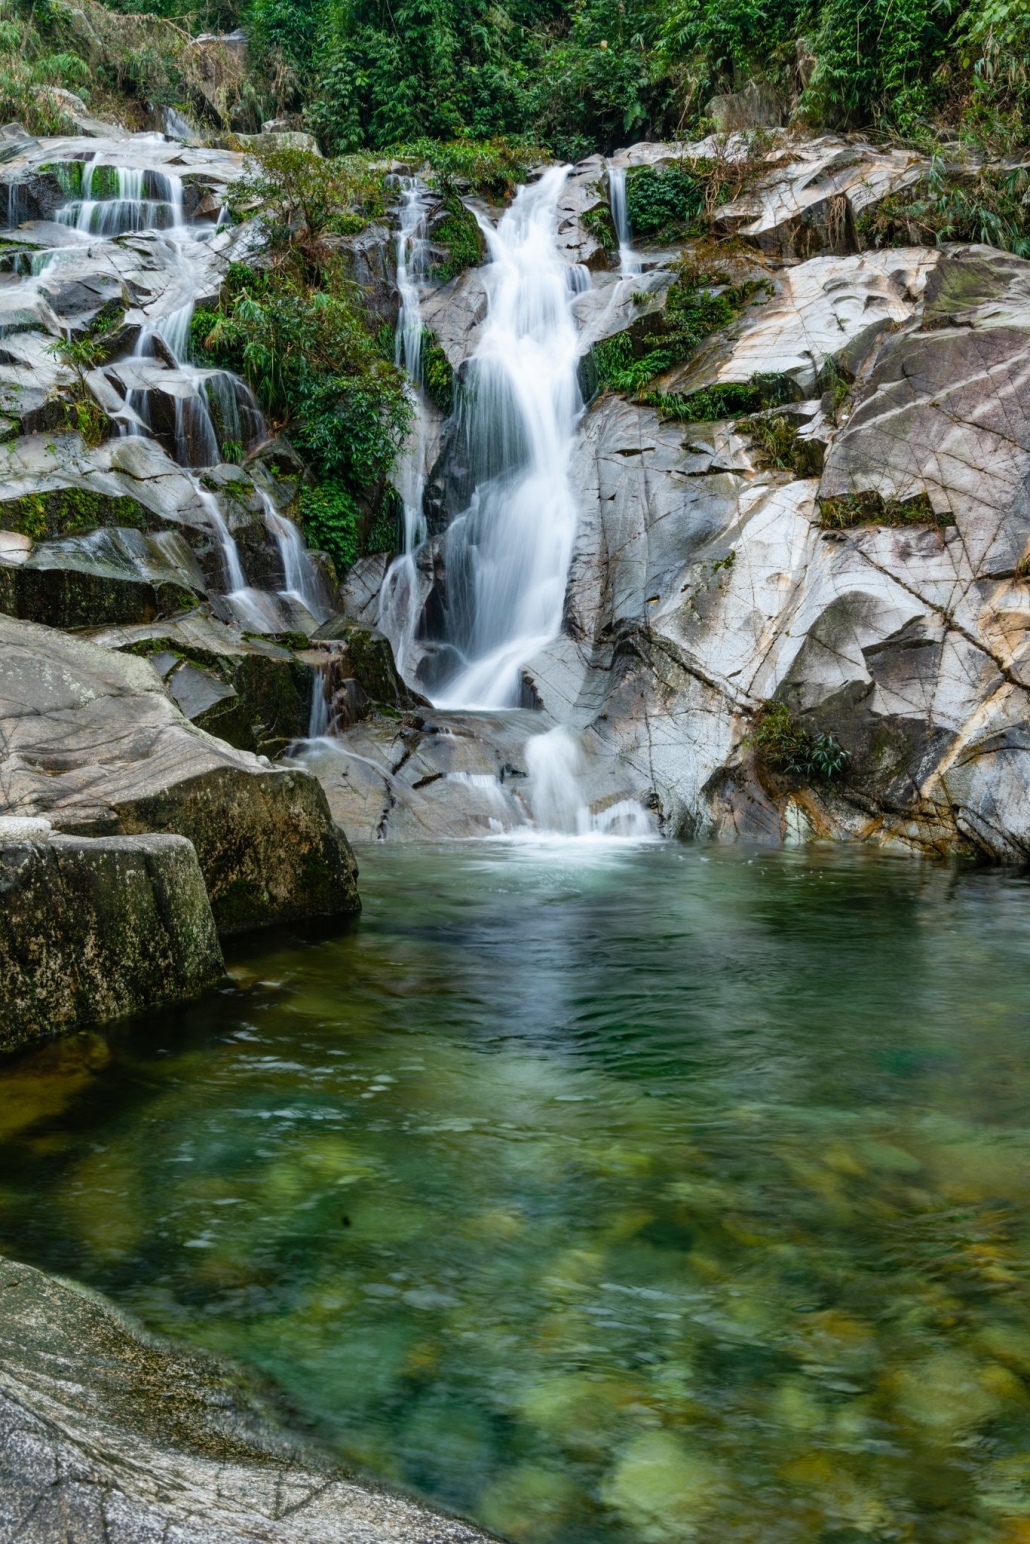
108,1437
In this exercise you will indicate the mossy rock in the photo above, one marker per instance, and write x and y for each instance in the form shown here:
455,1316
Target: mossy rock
458,239
72,597
69,512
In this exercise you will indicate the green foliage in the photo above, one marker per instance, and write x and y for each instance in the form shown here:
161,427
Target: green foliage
665,203
330,519
598,221
698,304
301,341
988,206
728,400
461,238
492,167
871,508
302,196
437,375
784,746
775,438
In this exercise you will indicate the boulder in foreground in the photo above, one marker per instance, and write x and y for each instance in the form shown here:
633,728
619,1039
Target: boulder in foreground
90,740
109,1438
91,929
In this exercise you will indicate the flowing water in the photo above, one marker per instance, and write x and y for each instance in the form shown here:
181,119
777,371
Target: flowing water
629,263
508,555
610,1194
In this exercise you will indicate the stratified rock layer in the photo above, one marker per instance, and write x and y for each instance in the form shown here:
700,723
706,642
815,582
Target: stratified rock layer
91,929
89,739
109,1438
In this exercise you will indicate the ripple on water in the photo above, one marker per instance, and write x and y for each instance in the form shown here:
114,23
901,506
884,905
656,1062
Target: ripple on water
608,1192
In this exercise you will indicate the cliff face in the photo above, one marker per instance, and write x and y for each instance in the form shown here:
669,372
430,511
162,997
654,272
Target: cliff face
814,522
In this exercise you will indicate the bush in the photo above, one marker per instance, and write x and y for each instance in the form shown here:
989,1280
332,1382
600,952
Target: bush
989,207
727,400
302,196
301,342
783,746
330,519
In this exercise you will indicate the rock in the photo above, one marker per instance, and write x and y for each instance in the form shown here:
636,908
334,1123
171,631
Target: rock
123,1439
109,575
92,742
92,929
74,109
247,691
756,107
357,672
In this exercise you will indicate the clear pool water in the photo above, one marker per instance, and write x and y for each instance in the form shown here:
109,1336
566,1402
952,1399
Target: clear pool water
605,1194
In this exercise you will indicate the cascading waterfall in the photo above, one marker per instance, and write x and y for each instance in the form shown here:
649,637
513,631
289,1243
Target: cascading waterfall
629,263
508,555
212,409
397,605
556,768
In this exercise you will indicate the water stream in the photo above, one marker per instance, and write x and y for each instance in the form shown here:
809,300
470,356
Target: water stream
212,409
608,1195
629,262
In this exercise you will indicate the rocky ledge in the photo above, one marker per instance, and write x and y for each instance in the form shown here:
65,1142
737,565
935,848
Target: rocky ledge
109,1437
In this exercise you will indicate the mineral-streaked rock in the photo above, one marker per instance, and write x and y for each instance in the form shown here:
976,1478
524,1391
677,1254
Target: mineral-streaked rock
95,928
91,740
109,1437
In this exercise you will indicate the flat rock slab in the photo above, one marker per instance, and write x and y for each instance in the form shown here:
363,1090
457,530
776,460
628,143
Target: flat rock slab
90,739
91,929
107,1437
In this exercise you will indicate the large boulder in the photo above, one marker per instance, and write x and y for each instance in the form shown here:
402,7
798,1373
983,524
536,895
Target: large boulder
94,928
109,1437
91,740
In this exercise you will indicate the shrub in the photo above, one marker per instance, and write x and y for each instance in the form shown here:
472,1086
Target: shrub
726,400
784,746
302,196
988,207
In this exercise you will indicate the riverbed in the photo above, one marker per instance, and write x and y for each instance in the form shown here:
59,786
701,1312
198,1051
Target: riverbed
603,1192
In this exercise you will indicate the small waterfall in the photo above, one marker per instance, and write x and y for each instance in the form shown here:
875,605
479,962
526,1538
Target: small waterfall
301,580
124,208
629,263
555,764
508,555
398,610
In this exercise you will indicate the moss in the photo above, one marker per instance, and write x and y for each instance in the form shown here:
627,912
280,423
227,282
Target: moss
459,234
69,512
870,508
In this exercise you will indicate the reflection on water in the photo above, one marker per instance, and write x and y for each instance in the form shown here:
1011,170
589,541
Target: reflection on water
609,1196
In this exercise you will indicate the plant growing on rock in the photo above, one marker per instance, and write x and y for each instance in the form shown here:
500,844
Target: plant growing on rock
988,206
300,339
303,197
786,747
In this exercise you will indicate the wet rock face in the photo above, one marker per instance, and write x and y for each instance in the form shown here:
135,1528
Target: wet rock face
858,554
95,928
112,1438
91,741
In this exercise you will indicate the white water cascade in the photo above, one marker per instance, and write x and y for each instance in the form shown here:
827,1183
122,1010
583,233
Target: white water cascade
508,555
556,768
212,408
629,263
398,613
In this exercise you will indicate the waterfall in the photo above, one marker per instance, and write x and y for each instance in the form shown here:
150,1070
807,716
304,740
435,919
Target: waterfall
398,612
629,263
125,209
507,556
555,764
299,575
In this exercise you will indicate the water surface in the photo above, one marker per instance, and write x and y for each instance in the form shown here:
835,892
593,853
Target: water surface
606,1194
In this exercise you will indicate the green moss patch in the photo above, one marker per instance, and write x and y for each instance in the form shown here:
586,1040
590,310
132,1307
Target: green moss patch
69,512
459,236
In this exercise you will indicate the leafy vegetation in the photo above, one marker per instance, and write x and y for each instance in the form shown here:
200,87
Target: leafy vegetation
297,335
775,437
988,206
786,747
699,303
728,399
302,197
871,508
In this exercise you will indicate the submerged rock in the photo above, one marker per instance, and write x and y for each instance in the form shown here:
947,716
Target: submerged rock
91,740
120,1439
95,928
